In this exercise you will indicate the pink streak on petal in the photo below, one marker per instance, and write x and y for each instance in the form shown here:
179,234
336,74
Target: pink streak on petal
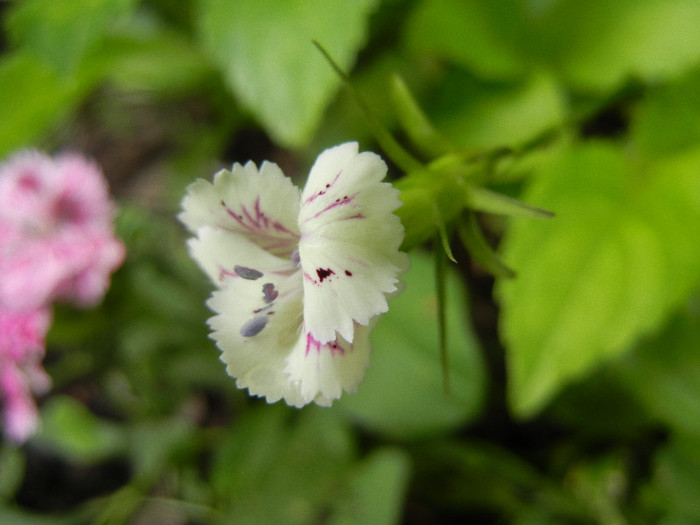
333,347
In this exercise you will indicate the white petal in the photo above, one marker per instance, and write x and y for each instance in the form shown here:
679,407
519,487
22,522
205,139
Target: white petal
324,371
261,205
254,355
349,247
224,256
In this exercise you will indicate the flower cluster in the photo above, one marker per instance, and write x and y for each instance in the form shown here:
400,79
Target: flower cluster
56,244
301,275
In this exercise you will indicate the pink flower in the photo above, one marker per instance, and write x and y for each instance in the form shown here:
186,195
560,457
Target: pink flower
21,375
56,243
56,234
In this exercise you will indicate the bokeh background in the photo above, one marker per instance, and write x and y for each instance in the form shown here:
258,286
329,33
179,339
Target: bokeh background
574,388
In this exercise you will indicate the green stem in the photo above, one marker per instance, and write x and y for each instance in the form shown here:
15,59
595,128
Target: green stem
393,149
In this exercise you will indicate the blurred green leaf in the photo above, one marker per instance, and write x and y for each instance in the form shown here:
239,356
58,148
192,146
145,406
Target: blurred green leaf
16,516
602,484
266,54
161,62
33,98
375,491
12,463
61,33
486,37
403,395
598,44
676,480
477,115
282,466
70,428
618,257
153,443
668,120
664,373
461,474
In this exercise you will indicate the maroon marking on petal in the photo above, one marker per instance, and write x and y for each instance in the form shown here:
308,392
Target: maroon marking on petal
332,346
324,273
323,192
269,292
267,309
348,273
249,217
357,216
280,227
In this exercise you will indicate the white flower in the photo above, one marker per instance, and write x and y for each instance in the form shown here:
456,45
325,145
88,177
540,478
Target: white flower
301,276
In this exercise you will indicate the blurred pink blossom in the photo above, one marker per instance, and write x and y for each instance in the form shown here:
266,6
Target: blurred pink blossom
56,233
21,373
56,243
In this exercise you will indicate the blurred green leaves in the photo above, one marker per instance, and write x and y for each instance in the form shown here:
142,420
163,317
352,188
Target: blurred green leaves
71,429
600,44
61,34
281,467
615,262
594,45
34,98
265,52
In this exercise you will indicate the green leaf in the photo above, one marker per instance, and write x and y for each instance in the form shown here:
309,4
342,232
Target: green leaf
484,36
677,478
615,261
70,428
476,115
265,52
20,517
280,465
375,491
668,120
12,463
598,43
160,61
33,98
61,33
664,373
402,395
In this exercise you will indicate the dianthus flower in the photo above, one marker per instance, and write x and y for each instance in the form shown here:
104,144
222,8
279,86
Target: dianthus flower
21,375
56,233
301,275
56,243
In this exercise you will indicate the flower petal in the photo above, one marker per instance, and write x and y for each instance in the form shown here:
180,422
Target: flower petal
349,246
256,329
324,371
260,205
224,256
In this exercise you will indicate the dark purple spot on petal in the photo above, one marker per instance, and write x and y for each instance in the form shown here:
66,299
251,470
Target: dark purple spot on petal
323,273
269,292
348,273
248,273
254,326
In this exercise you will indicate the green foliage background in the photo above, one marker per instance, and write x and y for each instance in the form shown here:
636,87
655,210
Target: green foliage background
573,389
